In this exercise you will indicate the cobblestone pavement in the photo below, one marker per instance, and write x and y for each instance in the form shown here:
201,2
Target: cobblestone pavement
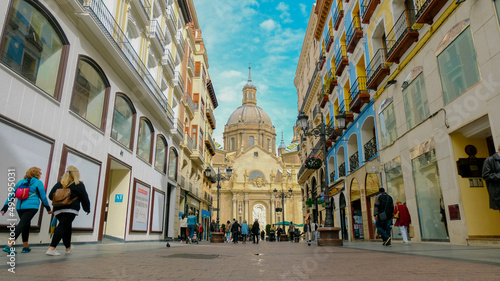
263,261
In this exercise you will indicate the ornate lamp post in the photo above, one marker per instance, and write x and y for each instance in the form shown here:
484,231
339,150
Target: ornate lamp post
219,177
323,132
283,196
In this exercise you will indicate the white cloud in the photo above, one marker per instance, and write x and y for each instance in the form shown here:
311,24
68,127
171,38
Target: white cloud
303,9
256,40
285,15
268,25
230,74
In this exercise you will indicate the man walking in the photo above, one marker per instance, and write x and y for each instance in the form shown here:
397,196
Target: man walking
491,175
212,228
255,231
291,231
384,211
235,229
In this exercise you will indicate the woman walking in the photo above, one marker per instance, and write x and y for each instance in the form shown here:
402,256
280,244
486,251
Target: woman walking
244,231
403,219
184,226
191,222
27,208
65,214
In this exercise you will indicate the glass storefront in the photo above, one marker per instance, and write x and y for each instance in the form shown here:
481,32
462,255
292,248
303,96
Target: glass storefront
395,186
430,206
357,214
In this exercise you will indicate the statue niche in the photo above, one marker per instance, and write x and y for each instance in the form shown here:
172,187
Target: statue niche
257,178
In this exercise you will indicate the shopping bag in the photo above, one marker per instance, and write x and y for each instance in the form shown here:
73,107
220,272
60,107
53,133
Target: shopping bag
411,230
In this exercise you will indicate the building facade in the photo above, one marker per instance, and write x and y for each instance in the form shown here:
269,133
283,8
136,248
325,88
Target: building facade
417,91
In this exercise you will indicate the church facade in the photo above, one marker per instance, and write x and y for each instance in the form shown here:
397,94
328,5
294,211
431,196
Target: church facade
250,150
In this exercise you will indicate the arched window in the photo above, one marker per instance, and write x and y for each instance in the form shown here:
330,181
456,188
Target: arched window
90,92
172,164
34,46
123,121
145,140
161,154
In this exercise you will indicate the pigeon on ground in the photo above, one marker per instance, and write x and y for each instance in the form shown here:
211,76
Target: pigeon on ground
168,245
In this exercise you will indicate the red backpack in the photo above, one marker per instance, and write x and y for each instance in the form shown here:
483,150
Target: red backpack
23,191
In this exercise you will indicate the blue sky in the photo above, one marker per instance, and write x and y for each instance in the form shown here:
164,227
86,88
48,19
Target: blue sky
269,35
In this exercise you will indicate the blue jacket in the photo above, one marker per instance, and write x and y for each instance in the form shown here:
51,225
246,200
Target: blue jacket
192,220
244,228
32,202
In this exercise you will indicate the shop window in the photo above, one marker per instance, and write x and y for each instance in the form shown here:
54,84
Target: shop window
161,154
34,46
172,164
457,65
415,100
387,123
123,121
90,92
145,140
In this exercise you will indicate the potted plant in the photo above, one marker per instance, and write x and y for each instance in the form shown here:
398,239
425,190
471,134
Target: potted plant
313,162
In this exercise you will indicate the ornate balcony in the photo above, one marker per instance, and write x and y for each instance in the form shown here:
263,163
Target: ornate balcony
168,64
428,9
338,15
359,94
401,36
367,9
354,161
342,170
377,70
178,131
189,105
354,34
331,81
190,67
178,84
329,39
209,142
370,149
180,43
341,60
211,118
332,176
156,35
170,21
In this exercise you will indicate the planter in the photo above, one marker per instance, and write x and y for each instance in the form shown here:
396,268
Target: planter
313,162
217,237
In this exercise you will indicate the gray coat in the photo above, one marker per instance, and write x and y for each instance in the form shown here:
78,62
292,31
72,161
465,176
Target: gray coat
491,174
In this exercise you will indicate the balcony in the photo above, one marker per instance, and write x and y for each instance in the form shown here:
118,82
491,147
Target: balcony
168,64
332,177
354,161
331,81
188,144
367,9
427,10
339,15
344,109
209,142
354,34
178,131
401,36
170,19
329,39
342,170
143,9
370,148
341,60
178,85
180,44
322,60
211,118
101,22
359,94
324,99
189,105
190,66
156,36
377,70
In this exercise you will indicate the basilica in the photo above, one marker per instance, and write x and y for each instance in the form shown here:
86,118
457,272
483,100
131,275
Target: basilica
264,183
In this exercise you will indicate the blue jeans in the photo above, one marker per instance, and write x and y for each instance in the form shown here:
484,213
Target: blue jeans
384,227
191,230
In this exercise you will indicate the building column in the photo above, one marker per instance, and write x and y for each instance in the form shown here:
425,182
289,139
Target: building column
247,210
235,208
273,210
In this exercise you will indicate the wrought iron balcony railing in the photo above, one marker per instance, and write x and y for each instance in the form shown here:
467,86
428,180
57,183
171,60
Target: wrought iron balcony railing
367,9
354,34
180,41
341,60
359,86
338,15
354,161
401,36
168,61
155,30
377,70
189,143
146,6
190,102
370,149
342,170
332,176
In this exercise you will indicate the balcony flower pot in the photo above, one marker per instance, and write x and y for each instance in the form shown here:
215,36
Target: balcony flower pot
313,162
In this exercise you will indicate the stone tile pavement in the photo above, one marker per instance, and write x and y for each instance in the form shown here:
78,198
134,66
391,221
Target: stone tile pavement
263,261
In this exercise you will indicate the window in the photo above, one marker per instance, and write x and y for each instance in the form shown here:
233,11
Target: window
90,92
457,66
172,164
497,8
415,100
145,140
34,46
123,121
387,123
161,154
232,143
251,141
268,144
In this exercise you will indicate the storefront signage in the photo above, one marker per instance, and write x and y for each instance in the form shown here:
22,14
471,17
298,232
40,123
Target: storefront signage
118,198
141,207
422,148
205,214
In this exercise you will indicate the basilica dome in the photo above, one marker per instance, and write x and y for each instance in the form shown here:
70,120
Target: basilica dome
249,114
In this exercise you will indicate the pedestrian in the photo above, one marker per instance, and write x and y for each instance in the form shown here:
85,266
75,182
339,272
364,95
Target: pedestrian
191,222
228,231
491,175
307,230
244,231
201,232
278,233
255,231
403,219
384,211
66,214
212,228
26,208
262,235
291,230
184,226
235,229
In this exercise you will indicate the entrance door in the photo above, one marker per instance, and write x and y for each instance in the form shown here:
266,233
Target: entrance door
117,190
343,220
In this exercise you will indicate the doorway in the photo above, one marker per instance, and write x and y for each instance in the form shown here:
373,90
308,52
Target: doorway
343,220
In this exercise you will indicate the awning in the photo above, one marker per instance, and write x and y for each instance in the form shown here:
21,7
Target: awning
288,223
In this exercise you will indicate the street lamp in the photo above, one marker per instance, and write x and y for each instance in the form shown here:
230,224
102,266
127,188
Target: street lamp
283,196
219,177
323,132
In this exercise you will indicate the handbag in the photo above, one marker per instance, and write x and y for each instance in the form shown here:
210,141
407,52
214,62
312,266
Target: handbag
396,215
411,231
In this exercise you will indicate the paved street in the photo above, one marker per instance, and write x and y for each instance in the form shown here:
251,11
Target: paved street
264,261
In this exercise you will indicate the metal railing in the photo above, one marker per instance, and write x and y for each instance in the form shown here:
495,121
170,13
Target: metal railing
421,5
112,30
354,161
359,86
376,63
342,170
340,54
399,30
212,116
190,102
146,6
178,79
180,40
332,176
189,142
180,128
310,87
370,149
155,29
210,140
170,16
338,11
191,64
355,26
329,36
168,60
301,171
341,108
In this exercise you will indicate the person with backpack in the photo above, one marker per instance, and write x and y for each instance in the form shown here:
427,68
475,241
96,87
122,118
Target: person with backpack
67,196
28,191
384,212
